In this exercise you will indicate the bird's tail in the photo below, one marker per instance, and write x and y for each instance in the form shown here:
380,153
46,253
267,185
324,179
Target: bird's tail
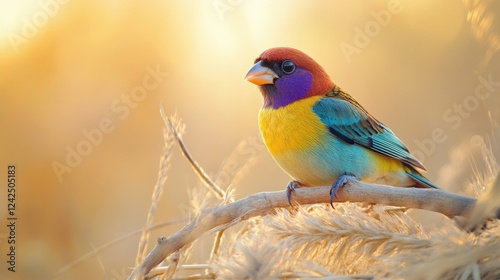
419,178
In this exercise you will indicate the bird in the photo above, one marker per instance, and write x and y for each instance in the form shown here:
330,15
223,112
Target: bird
319,134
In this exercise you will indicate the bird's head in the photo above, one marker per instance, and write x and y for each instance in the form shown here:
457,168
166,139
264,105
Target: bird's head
285,75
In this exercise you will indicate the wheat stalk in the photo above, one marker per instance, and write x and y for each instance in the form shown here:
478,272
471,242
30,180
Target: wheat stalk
169,137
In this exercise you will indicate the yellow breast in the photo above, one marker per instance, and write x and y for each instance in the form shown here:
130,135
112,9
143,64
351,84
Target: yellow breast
291,128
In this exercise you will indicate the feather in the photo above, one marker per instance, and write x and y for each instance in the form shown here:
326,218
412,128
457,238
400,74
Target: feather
350,122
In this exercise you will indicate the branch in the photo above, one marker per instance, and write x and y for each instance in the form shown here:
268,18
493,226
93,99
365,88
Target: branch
259,204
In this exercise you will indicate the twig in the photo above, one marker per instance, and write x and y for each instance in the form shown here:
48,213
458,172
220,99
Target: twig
215,248
259,204
204,177
172,267
197,168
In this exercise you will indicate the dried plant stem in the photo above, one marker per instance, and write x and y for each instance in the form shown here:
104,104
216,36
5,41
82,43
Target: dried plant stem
197,168
216,246
157,192
259,204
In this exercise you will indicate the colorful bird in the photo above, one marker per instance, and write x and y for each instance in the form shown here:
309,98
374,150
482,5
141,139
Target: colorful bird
319,134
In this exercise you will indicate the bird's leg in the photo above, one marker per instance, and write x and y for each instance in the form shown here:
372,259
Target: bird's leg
289,189
339,183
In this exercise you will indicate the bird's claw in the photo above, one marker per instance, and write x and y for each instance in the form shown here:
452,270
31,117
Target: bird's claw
289,189
339,183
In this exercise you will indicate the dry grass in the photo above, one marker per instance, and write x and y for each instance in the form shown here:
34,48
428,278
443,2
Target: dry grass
353,241
317,241
158,188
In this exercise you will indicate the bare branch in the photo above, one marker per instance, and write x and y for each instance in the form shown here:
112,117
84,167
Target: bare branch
259,204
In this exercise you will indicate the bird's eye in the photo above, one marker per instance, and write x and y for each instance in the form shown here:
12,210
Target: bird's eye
287,67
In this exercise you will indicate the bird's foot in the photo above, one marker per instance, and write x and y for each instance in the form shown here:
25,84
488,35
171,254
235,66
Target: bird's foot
339,183
289,189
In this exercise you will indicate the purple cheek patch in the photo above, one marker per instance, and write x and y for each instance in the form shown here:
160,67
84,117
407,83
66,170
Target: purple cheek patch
291,88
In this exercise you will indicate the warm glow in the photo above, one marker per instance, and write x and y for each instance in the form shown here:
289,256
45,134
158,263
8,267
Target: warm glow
81,83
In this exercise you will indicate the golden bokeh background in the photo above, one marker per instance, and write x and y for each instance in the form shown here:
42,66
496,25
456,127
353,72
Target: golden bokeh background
67,67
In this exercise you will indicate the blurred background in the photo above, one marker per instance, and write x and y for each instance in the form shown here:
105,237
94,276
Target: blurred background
82,82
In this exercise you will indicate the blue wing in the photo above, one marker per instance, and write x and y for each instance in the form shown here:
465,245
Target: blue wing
415,175
347,120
